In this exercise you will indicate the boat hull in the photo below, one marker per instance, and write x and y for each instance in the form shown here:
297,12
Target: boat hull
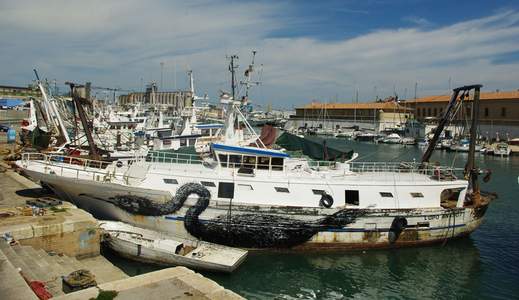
274,227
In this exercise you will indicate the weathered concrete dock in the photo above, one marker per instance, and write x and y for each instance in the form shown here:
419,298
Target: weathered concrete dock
66,239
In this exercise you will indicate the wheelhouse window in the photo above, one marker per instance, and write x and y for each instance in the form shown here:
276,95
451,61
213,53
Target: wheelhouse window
263,162
281,189
351,197
277,163
249,162
417,195
170,181
208,183
234,161
223,159
386,194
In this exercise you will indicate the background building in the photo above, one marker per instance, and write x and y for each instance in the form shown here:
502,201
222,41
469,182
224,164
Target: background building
176,100
7,91
378,116
498,111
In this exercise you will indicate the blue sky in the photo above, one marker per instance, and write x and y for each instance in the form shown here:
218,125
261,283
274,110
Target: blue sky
310,50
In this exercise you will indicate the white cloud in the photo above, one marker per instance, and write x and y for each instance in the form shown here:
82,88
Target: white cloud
417,21
115,43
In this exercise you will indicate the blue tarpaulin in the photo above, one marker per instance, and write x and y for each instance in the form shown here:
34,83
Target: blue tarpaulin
10,102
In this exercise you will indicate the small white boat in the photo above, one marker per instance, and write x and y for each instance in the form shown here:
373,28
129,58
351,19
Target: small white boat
345,134
502,149
155,247
393,138
363,136
463,146
408,141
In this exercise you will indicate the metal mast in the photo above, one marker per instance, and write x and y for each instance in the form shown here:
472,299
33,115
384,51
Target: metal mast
232,69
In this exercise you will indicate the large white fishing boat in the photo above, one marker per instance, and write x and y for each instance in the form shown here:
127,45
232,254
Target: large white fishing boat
260,198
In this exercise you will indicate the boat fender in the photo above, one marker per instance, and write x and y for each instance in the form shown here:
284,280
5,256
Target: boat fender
437,172
397,226
326,200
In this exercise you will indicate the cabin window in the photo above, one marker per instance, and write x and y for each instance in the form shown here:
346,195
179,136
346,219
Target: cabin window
281,189
249,162
226,190
435,111
486,111
386,194
234,160
318,192
208,183
245,187
183,142
351,197
166,142
503,111
441,111
429,112
263,162
170,181
223,159
277,163
417,195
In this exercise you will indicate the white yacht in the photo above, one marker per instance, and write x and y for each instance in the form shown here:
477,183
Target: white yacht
259,198
502,149
393,138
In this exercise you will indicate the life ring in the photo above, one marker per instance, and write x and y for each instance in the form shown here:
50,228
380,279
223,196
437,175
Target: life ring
326,200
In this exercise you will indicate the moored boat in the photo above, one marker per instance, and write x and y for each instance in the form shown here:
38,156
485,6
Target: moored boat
393,138
154,247
502,149
260,198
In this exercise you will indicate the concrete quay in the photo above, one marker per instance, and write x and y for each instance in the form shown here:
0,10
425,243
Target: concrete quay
66,239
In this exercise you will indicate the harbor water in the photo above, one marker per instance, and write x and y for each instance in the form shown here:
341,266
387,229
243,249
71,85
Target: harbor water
482,266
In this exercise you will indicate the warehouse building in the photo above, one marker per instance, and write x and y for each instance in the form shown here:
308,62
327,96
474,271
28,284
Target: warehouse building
175,101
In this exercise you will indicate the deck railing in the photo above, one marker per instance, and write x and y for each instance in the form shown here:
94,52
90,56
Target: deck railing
97,167
173,158
77,167
434,171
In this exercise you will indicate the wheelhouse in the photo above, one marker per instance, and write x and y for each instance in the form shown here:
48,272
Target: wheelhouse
209,129
249,159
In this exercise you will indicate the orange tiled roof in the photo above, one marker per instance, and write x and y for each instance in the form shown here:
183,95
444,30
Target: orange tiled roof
368,105
509,95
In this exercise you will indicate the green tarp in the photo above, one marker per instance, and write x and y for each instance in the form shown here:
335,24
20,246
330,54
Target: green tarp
313,147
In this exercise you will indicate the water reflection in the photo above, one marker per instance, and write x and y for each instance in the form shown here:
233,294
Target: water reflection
432,272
